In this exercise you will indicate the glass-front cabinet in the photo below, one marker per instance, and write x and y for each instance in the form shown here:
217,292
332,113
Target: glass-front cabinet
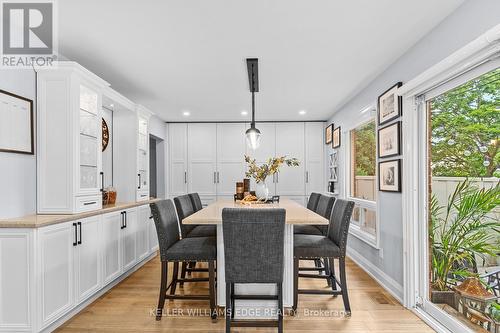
142,155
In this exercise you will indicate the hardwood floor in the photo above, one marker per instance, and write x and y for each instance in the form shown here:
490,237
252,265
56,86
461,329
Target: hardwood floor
129,307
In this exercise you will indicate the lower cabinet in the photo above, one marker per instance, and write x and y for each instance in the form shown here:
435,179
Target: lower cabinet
72,262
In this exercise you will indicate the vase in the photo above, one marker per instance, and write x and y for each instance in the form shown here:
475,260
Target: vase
261,190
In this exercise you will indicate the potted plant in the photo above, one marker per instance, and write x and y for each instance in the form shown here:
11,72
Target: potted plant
260,173
462,230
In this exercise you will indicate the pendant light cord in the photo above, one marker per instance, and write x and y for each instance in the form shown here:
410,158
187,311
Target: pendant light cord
252,125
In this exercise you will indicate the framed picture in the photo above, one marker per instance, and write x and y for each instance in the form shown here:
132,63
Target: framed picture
389,105
389,140
389,174
328,134
16,124
336,138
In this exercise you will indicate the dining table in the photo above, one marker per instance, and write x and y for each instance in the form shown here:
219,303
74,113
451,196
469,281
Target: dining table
296,214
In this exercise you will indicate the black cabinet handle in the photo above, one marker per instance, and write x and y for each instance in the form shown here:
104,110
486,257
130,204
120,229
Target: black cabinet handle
122,221
125,218
80,227
102,181
76,235
89,203
139,187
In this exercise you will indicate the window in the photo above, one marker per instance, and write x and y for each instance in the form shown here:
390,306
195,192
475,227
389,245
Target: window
363,181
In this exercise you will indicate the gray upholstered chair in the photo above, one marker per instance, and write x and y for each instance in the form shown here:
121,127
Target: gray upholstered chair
196,200
312,203
333,246
253,253
200,230
175,250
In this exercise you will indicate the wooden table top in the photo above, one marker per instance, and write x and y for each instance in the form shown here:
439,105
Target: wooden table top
295,213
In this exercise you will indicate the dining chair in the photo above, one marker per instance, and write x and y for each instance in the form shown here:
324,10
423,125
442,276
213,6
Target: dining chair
174,249
332,246
186,205
312,204
253,253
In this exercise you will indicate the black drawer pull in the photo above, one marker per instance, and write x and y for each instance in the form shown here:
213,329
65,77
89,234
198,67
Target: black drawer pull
89,203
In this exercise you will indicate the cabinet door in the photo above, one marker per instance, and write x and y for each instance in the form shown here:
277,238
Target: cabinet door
314,150
129,251
142,232
89,138
290,142
88,258
202,158
266,150
112,245
56,267
142,154
177,134
230,157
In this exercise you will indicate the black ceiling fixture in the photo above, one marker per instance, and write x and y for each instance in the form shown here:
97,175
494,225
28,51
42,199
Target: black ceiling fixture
253,134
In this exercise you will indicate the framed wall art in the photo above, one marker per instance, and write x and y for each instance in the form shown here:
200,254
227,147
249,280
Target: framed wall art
389,173
389,104
336,138
16,124
389,140
328,134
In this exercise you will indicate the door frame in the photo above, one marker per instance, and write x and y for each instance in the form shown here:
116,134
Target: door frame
414,188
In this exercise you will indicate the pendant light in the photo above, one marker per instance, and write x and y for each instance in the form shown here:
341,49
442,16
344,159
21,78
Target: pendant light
253,134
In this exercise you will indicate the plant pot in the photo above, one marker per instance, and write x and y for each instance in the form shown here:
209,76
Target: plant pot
444,297
262,191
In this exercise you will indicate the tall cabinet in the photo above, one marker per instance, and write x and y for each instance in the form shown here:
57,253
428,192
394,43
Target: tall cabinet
208,158
69,139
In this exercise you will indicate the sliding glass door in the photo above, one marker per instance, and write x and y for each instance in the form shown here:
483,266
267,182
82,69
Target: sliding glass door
460,227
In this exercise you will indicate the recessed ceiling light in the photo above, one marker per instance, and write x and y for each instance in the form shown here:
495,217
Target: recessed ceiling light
112,105
302,112
186,113
244,113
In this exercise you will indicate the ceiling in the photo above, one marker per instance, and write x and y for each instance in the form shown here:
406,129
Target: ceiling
189,55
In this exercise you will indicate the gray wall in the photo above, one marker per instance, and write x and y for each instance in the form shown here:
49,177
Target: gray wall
18,171
468,22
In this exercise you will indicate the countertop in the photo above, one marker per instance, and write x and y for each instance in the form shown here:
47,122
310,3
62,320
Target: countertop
42,220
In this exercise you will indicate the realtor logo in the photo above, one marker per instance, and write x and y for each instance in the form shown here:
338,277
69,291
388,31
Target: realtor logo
28,34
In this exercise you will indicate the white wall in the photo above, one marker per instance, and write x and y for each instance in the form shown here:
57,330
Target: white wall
468,22
18,171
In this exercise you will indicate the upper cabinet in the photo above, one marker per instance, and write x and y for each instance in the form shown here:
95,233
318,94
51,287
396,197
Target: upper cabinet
69,139
313,163
142,121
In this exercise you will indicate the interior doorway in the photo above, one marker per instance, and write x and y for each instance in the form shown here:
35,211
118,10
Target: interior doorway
156,167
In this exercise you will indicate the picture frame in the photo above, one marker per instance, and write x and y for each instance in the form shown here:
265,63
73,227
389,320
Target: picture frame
389,105
16,124
389,140
336,138
389,176
328,134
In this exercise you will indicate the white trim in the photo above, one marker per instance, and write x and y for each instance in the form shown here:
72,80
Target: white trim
385,281
414,189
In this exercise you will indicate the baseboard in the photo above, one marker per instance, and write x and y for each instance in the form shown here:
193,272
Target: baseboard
388,283
101,292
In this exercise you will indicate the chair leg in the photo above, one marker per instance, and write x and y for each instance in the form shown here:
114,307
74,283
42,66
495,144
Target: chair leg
183,273
343,282
332,273
175,277
280,307
228,307
295,284
233,307
211,283
163,290
326,272
192,265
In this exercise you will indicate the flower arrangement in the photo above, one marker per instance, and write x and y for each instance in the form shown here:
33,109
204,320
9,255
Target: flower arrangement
272,166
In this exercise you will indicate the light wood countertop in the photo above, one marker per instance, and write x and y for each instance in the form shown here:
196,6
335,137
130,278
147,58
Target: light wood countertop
41,220
295,213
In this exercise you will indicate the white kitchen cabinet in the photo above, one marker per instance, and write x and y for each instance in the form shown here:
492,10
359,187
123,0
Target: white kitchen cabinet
142,120
177,141
290,143
142,232
314,161
69,139
87,259
230,157
55,281
202,157
112,224
129,239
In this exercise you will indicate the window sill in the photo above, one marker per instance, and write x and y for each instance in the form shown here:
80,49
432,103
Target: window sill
364,236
